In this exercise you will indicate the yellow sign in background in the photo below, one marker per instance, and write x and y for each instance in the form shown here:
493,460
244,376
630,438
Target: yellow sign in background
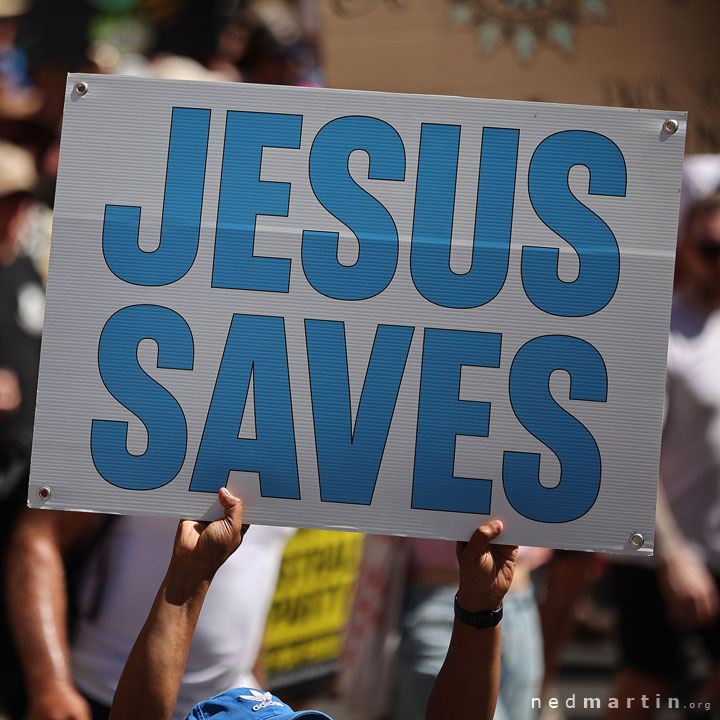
310,609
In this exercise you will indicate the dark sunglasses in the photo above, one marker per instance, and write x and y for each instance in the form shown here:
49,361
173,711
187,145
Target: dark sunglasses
709,251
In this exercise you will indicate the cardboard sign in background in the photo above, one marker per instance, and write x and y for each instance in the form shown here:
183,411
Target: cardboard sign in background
259,283
304,631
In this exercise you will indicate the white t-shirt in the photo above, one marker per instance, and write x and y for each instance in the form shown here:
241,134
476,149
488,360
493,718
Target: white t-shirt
690,456
229,630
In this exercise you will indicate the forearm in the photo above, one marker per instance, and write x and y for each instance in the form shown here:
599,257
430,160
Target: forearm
467,685
669,537
153,672
36,598
150,682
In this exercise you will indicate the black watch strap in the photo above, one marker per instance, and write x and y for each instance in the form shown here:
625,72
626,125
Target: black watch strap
479,620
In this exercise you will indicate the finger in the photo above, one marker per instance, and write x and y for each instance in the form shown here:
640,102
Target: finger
506,550
197,524
503,554
460,546
179,528
484,535
233,506
227,499
184,529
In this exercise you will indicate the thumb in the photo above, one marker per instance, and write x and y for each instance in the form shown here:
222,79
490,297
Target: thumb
232,505
484,535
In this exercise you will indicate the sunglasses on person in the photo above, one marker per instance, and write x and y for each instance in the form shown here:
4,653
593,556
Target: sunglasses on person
708,251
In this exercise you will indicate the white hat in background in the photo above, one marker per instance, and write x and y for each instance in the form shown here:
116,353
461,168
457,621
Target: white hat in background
701,177
17,170
13,8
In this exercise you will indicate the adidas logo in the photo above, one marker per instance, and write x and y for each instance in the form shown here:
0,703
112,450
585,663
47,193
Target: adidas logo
262,700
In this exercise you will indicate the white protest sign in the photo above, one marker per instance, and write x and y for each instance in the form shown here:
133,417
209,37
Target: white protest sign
393,313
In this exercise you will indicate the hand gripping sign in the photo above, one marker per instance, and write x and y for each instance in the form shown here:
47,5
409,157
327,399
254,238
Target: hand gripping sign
391,313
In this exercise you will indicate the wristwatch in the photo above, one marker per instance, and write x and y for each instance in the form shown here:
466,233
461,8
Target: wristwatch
479,620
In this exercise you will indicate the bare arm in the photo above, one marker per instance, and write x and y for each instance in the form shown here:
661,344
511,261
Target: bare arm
150,682
37,606
669,536
467,685
687,586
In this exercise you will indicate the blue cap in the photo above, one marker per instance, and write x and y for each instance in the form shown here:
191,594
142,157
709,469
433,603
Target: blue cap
249,704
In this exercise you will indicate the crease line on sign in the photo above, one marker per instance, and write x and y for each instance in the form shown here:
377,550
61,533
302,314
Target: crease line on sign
294,235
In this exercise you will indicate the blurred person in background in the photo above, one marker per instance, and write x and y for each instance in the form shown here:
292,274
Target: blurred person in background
664,606
701,177
22,306
567,581
275,50
80,585
74,630
18,99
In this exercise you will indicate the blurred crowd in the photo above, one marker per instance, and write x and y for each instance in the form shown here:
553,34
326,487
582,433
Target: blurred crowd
77,587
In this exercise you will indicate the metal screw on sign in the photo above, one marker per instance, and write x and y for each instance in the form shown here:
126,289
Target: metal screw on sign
81,87
670,126
636,540
44,492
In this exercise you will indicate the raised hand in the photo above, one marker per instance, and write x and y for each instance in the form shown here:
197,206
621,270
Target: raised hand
486,571
210,544
689,590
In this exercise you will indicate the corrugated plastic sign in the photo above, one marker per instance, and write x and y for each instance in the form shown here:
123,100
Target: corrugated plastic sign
399,314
